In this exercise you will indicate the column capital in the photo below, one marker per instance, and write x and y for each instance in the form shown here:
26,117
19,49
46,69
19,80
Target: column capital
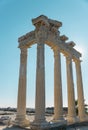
69,56
68,59
41,32
23,50
39,45
77,61
56,48
56,51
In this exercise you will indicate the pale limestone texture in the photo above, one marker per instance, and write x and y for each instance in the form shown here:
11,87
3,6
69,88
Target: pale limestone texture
81,108
40,86
70,86
21,104
58,105
46,32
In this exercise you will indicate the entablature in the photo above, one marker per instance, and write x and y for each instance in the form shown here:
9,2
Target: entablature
27,39
48,35
46,21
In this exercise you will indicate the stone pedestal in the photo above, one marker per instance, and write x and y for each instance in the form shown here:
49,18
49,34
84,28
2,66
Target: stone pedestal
21,103
58,105
81,108
70,88
40,87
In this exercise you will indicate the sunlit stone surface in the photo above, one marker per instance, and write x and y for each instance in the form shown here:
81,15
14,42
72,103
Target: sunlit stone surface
46,32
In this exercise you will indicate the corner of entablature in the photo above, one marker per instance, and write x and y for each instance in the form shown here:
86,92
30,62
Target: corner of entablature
20,39
68,56
63,38
21,44
21,47
56,48
55,23
77,60
71,44
41,20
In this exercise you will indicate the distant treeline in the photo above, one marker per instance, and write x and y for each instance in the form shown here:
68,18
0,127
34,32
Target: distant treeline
49,110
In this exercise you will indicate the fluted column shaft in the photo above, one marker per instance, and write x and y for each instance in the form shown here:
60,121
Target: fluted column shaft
40,85
21,103
58,105
81,108
70,89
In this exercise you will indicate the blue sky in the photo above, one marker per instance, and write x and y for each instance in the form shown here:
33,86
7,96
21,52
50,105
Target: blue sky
15,21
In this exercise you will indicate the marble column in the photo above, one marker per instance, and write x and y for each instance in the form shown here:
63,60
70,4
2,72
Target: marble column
58,105
70,90
21,104
40,86
81,108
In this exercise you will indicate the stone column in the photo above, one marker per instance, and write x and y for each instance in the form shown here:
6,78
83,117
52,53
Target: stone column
40,86
81,108
58,105
70,88
21,104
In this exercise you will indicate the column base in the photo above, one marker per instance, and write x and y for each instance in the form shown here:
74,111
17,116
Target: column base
39,125
21,121
72,119
47,125
59,121
84,118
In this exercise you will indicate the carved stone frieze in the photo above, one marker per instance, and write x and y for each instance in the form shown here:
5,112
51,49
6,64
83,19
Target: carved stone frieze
71,44
66,49
55,23
27,40
39,19
63,38
46,21
41,33
69,58
46,31
46,28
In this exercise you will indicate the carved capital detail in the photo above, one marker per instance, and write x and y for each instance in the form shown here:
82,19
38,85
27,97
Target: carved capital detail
46,28
77,61
63,38
41,33
56,51
46,31
69,59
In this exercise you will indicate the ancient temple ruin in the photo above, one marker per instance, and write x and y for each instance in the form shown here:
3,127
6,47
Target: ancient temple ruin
47,32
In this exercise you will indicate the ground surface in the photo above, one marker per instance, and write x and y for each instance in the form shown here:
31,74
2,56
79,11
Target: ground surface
81,126
17,128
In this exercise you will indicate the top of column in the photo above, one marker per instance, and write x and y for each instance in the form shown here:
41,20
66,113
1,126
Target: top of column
46,21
